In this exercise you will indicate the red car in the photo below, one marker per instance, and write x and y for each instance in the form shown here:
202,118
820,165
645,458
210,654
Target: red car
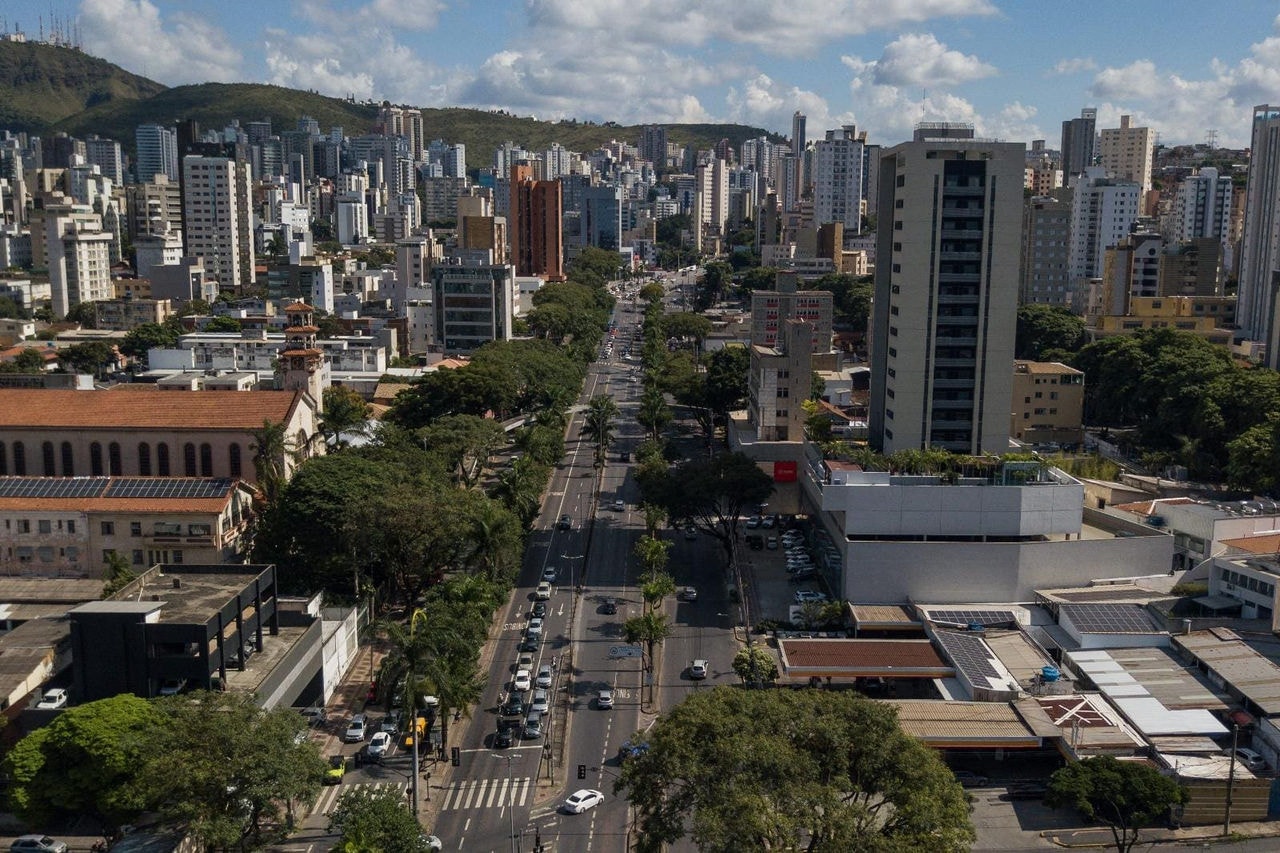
372,695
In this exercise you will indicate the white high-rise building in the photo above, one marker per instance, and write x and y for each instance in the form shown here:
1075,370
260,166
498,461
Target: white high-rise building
837,179
1127,153
711,196
1202,207
157,152
1102,209
1260,245
106,155
353,220
79,257
557,160
218,211
946,292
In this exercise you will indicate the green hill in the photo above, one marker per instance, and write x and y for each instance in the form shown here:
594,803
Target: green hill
41,85
45,88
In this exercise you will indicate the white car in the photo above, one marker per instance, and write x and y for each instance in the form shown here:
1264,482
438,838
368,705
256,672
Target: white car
535,627
52,699
1251,759
544,676
543,592
604,701
541,701
522,681
698,669
582,800
805,595
379,744
549,574
619,505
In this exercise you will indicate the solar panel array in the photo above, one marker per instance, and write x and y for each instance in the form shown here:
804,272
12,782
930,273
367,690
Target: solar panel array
970,655
152,488
960,616
1109,618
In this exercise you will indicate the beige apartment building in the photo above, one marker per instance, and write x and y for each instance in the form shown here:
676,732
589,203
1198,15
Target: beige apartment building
59,527
1048,403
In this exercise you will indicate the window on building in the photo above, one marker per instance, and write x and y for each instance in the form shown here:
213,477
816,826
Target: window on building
177,557
206,460
19,459
144,459
113,459
95,459
189,459
233,458
46,450
44,525
135,528
108,528
162,459
138,557
68,460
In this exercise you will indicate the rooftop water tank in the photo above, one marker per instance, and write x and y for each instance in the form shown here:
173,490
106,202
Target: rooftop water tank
1050,673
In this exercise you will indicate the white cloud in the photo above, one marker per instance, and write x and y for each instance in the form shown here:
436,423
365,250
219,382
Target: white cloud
415,15
921,60
185,48
393,71
793,28
766,103
1075,65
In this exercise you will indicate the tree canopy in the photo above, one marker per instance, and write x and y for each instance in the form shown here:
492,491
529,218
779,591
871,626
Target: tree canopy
1125,795
376,820
783,769
1047,333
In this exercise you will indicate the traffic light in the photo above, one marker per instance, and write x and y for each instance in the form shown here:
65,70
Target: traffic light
582,771
455,756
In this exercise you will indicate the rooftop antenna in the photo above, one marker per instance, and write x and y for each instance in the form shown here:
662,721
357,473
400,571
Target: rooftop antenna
1211,137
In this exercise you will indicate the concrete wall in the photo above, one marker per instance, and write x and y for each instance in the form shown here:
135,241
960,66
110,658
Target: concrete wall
341,647
972,572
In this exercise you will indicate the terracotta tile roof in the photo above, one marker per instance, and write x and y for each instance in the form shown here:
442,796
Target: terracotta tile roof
1266,543
859,654
144,407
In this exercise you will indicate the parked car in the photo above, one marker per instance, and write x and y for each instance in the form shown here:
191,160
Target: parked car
543,592
768,522
968,779
804,595
315,715
432,843
1026,790
771,543
604,699
52,699
753,522
802,575
521,682
545,676
582,800
357,729
689,593
40,843
378,745
1250,759
336,770
698,669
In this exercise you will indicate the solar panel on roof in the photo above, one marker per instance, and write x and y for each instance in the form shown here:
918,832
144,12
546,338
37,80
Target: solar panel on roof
1109,618
168,488
963,616
51,487
969,653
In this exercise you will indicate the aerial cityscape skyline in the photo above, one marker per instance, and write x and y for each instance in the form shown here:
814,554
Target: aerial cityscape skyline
1013,72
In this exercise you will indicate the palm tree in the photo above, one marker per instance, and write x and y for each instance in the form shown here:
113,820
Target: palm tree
271,447
653,413
651,629
598,424
458,685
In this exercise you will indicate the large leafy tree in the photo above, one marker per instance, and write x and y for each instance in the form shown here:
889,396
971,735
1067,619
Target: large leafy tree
92,357
345,413
85,762
465,442
148,336
850,297
375,820
1047,333
711,494
830,772
1125,795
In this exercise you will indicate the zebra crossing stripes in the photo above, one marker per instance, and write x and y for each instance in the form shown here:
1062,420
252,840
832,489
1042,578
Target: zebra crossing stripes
486,793
329,796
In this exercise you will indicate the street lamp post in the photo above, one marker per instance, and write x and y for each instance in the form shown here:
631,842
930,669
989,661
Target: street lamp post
571,558
515,845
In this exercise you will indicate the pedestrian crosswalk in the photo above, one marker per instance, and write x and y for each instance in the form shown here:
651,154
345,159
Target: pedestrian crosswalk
486,793
329,796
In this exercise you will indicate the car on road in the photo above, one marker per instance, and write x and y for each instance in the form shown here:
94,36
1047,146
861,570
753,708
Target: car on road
968,779
378,745
549,574
52,699
582,800
532,726
691,533
545,676
513,707
530,642
502,738
336,770
805,595
619,505
314,715
609,607
535,626
432,843
689,593
753,522
565,522
541,701
391,722
521,682
698,669
357,729
525,661
39,843
604,699
539,609
543,592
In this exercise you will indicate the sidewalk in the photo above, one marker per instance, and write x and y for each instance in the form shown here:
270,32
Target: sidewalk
1100,837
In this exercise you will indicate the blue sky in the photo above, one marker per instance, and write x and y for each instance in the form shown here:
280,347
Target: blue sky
1014,68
